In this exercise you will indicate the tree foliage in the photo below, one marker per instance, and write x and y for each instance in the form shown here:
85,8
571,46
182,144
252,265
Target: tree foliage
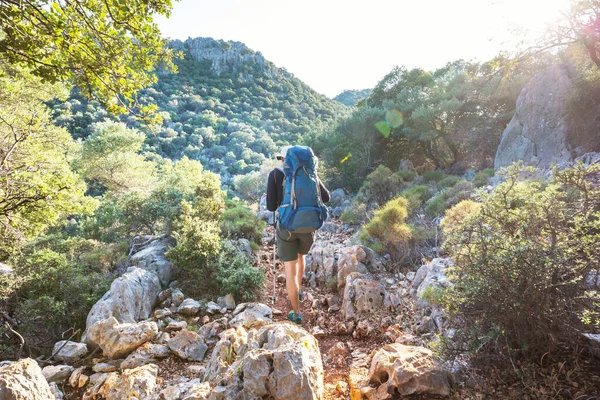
523,259
37,184
109,48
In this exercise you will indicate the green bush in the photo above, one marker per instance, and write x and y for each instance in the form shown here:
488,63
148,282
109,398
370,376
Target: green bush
416,196
356,214
462,190
407,175
388,231
435,206
239,222
481,178
380,186
434,176
56,295
236,275
521,261
448,181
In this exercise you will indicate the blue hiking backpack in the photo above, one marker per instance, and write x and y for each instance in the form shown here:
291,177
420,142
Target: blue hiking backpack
302,209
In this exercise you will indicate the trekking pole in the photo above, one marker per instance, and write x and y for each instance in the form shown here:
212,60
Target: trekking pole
274,298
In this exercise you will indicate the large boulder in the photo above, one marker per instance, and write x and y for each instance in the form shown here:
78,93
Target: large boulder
432,275
57,373
188,345
138,383
152,258
251,315
130,299
538,133
148,353
363,295
117,340
282,361
407,370
23,379
233,343
68,351
337,197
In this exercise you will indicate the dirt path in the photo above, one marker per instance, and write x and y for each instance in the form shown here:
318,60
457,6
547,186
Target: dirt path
318,320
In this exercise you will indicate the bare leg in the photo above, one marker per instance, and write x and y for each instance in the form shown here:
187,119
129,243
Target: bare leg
291,284
300,272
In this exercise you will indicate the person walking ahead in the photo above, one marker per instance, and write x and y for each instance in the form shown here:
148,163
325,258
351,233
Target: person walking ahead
301,213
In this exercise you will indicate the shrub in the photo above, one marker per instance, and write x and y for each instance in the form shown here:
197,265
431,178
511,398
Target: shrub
521,261
56,295
448,181
235,274
481,178
416,196
356,214
462,190
239,222
455,215
407,175
433,295
388,231
433,176
435,206
380,185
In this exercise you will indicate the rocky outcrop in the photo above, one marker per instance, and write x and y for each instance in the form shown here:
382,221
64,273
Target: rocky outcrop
117,340
23,379
362,295
282,362
224,55
130,298
538,133
407,370
152,258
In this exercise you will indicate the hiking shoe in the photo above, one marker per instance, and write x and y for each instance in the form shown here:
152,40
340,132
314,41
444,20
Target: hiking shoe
301,296
296,318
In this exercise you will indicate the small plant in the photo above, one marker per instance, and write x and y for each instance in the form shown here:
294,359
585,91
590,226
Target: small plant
407,175
434,176
356,214
433,295
416,196
380,186
448,181
435,206
388,231
482,177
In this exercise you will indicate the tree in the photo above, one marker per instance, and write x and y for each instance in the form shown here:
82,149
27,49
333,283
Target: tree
37,185
107,48
110,157
581,26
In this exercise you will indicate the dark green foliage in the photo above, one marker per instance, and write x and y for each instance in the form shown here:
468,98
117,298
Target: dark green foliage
434,176
237,276
416,196
407,175
448,181
380,186
57,293
481,178
521,262
435,206
239,222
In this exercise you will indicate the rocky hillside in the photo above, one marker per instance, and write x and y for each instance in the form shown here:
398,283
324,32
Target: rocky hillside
227,106
352,97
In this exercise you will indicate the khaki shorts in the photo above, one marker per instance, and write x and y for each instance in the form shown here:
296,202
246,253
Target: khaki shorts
289,244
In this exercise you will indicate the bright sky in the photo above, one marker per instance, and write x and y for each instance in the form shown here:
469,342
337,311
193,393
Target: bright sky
333,45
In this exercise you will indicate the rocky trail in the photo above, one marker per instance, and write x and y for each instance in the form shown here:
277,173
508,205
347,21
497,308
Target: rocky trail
364,336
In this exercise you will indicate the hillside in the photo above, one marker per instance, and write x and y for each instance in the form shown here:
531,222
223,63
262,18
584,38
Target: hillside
227,106
352,97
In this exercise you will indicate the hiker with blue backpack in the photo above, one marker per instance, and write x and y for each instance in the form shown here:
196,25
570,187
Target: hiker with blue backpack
296,193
